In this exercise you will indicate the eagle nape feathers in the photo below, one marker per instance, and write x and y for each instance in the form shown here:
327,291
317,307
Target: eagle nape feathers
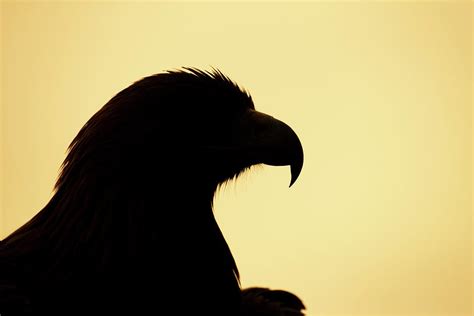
130,226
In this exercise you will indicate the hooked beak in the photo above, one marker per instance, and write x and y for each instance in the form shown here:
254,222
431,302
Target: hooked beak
271,142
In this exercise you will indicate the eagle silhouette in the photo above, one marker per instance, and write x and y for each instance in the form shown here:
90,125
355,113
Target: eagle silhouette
130,227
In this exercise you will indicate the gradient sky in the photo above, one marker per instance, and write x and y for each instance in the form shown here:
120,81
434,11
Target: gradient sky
380,221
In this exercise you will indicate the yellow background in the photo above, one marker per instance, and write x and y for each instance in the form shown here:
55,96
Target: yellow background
380,222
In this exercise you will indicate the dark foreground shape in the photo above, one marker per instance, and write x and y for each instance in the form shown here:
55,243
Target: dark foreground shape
130,228
257,301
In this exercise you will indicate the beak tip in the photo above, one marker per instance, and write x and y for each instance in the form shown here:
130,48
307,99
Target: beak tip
295,172
293,180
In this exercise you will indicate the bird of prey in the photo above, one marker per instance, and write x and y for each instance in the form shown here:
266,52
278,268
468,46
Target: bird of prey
130,227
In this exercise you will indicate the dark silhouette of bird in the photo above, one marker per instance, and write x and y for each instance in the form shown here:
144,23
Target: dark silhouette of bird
130,227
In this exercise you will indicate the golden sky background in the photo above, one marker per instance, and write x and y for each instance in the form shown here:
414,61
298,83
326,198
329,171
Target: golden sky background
380,221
